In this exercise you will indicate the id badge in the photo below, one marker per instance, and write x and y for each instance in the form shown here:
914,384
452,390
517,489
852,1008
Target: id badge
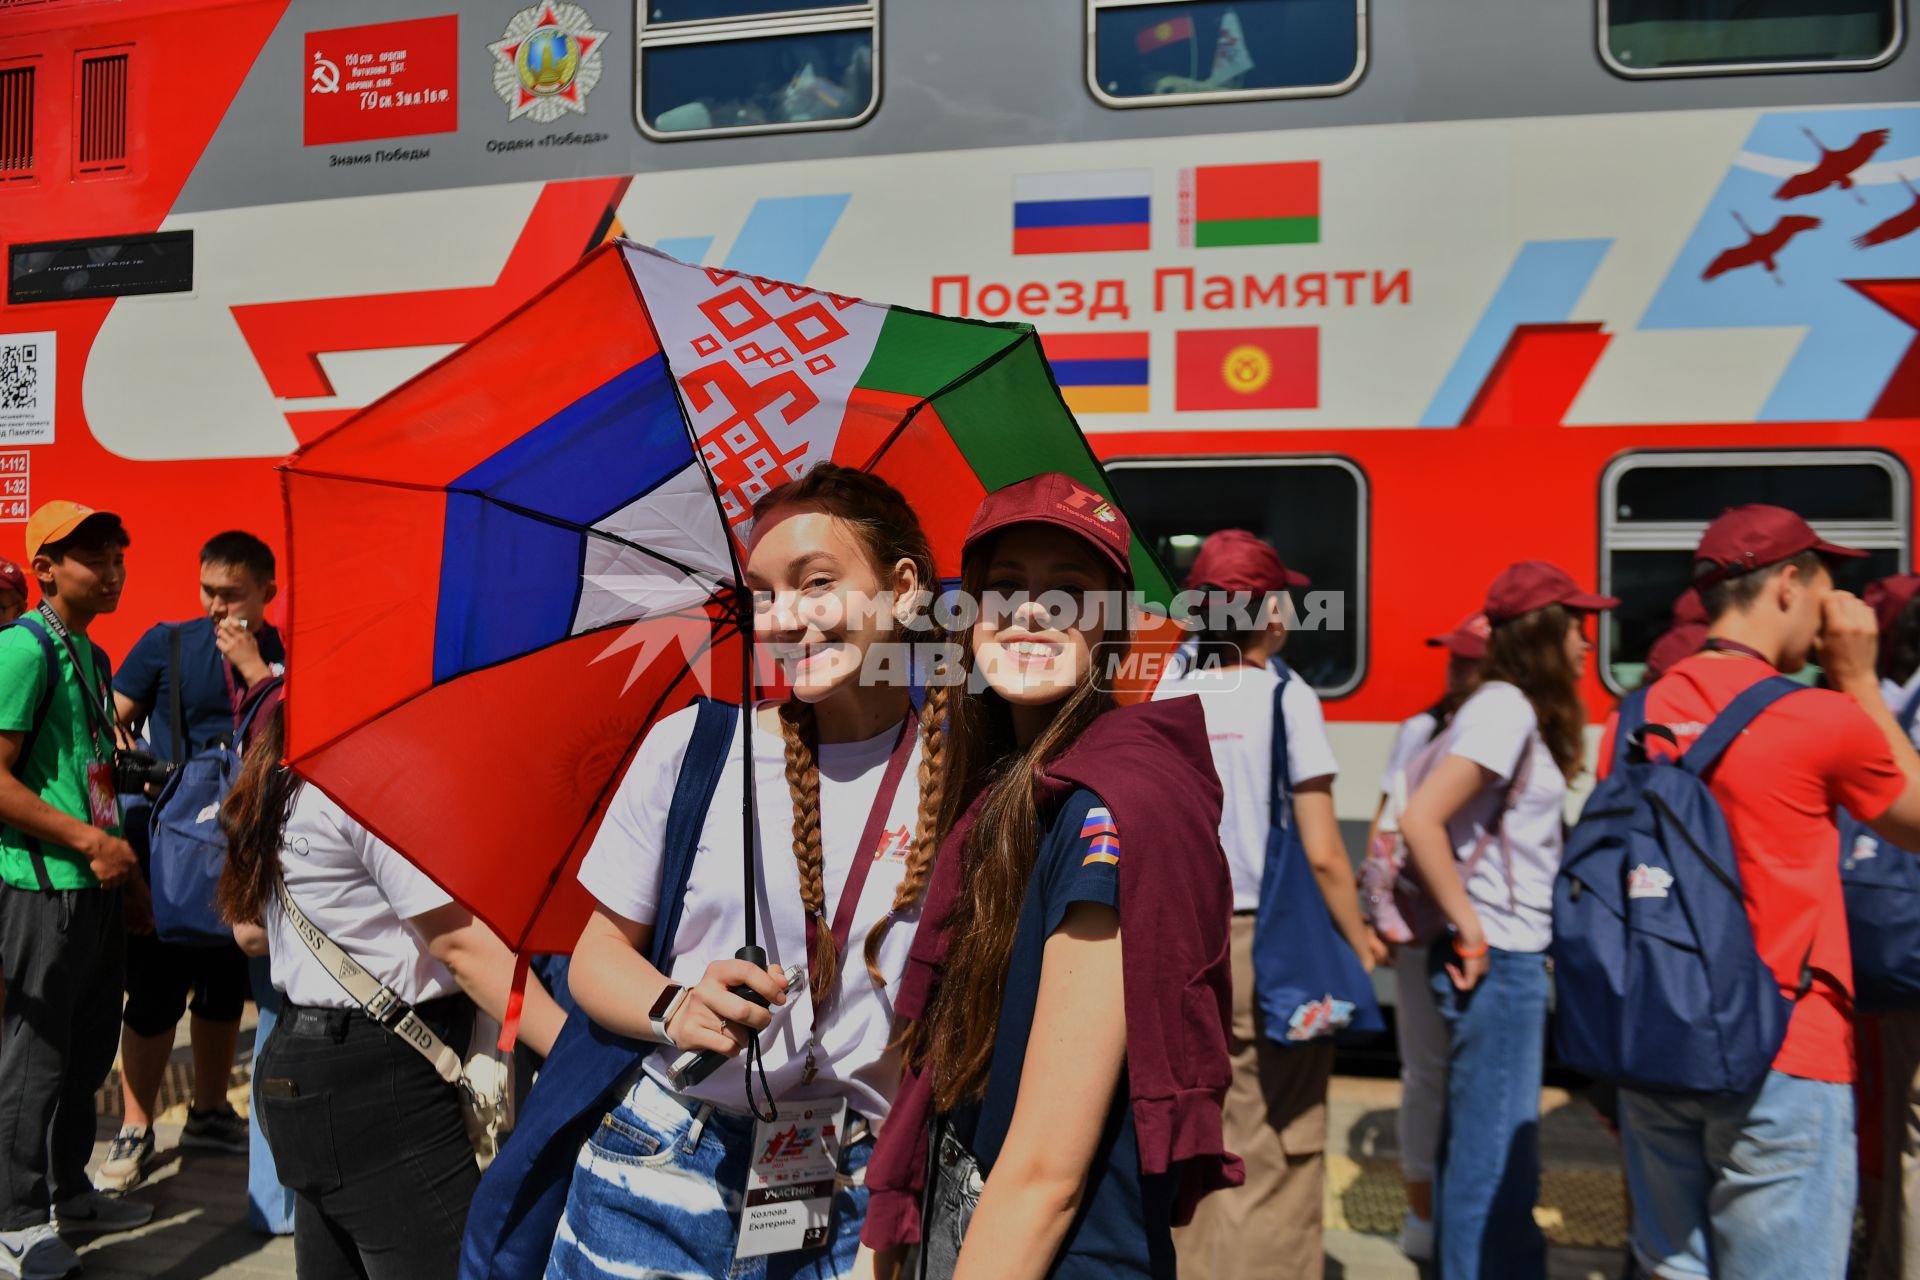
103,805
789,1202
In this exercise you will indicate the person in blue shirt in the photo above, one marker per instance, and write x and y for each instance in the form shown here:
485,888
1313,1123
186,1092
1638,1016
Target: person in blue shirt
213,660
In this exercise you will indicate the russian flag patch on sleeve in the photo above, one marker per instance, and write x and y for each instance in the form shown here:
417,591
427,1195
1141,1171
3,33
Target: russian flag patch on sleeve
1102,836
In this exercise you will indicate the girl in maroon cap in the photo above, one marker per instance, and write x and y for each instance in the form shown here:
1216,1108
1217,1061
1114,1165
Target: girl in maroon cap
1483,834
1068,1086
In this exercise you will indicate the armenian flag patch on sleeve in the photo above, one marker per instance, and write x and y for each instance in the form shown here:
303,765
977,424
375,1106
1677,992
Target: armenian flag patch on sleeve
1102,836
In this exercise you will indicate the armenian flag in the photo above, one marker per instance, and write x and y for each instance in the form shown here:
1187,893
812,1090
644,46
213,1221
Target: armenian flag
1102,837
543,530
1083,212
1246,204
1247,369
1100,372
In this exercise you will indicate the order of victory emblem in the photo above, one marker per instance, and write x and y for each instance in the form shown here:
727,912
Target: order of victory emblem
547,62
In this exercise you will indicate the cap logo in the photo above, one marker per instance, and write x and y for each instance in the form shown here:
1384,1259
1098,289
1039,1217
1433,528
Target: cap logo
1086,502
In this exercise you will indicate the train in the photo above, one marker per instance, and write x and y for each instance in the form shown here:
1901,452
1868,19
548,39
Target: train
1413,290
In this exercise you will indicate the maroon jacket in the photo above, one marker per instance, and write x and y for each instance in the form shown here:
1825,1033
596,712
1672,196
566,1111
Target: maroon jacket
1151,766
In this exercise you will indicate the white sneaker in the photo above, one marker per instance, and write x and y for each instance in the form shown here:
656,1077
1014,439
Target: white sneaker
96,1211
38,1253
1416,1237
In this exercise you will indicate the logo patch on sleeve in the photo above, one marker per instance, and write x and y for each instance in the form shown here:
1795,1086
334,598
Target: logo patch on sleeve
1103,837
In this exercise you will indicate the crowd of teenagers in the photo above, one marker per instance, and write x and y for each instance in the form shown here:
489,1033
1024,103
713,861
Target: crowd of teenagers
1051,982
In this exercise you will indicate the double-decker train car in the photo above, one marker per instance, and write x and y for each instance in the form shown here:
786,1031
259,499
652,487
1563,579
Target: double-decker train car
1413,289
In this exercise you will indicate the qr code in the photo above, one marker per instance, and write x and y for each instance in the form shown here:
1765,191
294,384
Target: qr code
19,375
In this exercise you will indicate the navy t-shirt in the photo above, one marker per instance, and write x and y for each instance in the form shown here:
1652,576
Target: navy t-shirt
1125,1224
203,689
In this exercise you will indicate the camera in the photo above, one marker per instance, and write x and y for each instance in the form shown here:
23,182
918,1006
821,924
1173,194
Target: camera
137,771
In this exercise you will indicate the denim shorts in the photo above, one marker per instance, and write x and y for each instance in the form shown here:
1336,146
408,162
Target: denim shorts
658,1189
1758,1186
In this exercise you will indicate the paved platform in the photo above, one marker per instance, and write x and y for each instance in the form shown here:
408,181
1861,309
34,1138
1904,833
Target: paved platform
200,1230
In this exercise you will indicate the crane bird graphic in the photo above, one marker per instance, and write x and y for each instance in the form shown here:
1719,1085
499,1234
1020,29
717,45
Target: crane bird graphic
1835,168
1903,223
1760,248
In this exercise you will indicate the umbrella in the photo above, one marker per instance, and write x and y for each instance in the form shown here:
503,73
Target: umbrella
508,568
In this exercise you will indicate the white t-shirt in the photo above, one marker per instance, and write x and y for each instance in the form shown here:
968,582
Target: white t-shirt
625,866
360,892
1490,730
1415,733
1238,704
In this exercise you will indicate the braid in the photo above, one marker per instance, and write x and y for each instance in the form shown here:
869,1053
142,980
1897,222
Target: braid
926,835
803,784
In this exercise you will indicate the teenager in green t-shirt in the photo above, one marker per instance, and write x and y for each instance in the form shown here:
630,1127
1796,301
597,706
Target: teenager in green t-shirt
67,879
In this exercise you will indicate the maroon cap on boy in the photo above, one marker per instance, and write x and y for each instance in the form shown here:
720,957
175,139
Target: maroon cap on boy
1757,535
1236,560
1681,641
11,579
1468,640
1059,500
1688,611
1535,584
1889,598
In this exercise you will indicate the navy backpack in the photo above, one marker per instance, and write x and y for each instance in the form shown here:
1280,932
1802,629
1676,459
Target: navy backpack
521,1197
1658,983
1882,886
1308,983
187,845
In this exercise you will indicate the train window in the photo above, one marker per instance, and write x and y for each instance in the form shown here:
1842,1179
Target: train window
1162,54
716,67
1314,509
1656,505
16,123
1691,37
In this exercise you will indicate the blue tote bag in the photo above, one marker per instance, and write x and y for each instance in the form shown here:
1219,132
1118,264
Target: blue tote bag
1308,983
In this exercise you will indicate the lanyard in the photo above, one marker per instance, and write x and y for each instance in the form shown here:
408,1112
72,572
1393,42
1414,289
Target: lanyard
99,719
1722,645
867,850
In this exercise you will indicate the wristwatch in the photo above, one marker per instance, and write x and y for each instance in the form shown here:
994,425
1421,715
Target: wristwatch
663,1009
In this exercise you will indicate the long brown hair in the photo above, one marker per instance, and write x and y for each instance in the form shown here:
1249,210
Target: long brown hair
957,1031
1530,653
888,531
254,817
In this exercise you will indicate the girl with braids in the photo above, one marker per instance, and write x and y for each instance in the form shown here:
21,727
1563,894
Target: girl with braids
846,776
1484,835
1068,994
363,1129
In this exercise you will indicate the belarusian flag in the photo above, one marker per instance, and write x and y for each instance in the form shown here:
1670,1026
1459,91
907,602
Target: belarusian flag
1247,204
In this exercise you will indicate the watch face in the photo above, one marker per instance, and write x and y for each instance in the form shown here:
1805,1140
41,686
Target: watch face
664,999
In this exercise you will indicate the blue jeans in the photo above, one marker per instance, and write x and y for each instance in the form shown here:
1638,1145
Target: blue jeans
269,1205
1759,1186
1489,1174
658,1189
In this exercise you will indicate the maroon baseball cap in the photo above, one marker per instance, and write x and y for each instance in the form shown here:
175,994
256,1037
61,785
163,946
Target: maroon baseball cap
1468,640
1535,584
1889,598
1236,560
1688,611
1681,641
1062,501
11,579
1757,535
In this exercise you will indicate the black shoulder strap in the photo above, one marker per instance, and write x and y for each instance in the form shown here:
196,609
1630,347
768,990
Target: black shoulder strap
176,716
35,853
1281,771
692,796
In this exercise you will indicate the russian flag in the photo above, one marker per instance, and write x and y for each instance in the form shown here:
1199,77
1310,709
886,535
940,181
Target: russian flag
1099,372
1083,212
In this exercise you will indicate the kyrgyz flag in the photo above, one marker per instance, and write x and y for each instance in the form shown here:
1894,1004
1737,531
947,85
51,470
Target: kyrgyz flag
1162,34
1247,369
1244,204
505,571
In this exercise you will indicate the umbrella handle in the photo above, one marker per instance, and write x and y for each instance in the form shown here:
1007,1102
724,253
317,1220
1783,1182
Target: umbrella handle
690,1069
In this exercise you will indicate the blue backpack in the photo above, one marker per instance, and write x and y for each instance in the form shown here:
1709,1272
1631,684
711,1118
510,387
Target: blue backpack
517,1208
1308,983
1659,985
1882,886
188,846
